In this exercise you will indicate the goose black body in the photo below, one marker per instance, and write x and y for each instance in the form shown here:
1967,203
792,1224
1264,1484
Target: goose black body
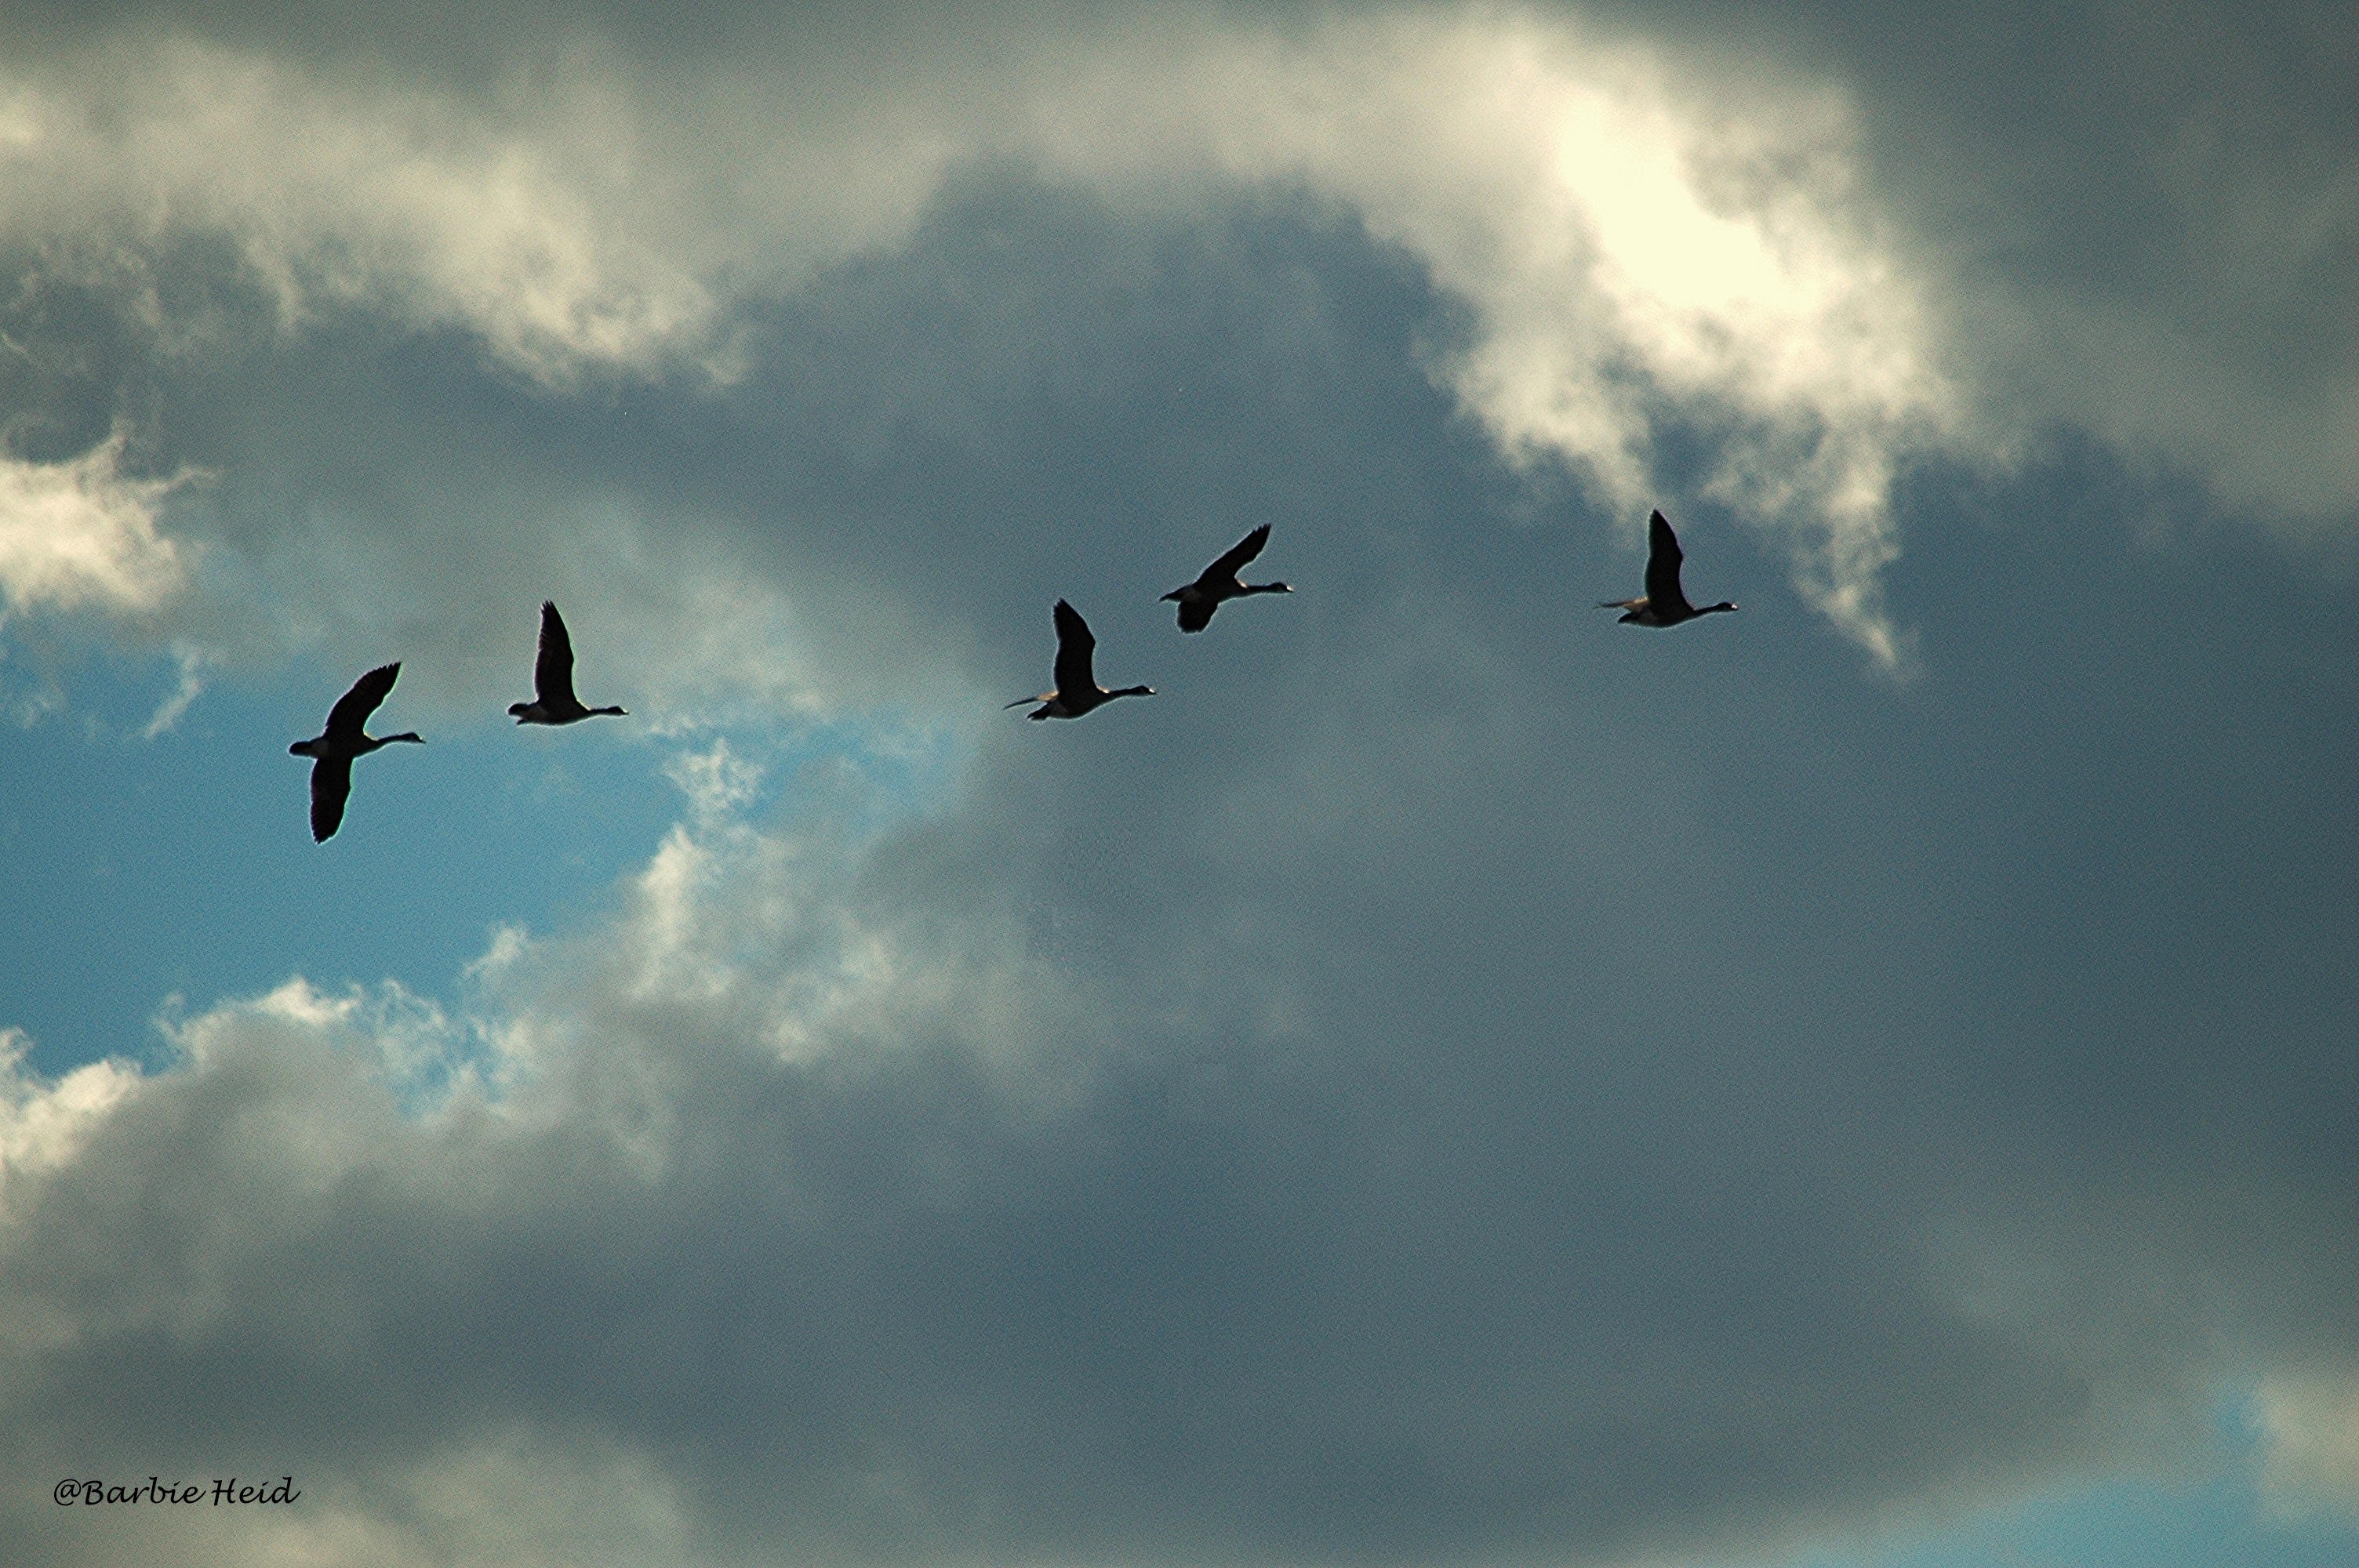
1077,691
333,749
1219,583
1663,603
552,678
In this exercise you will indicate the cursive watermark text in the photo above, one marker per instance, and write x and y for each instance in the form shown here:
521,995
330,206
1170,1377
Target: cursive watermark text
94,1493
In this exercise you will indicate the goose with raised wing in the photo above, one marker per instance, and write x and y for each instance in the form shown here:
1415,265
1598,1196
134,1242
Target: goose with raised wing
344,739
1663,604
1219,584
1077,691
552,678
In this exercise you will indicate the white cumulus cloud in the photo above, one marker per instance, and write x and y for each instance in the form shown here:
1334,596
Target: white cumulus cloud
81,534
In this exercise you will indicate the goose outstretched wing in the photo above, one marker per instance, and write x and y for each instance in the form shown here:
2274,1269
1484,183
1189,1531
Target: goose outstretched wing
1663,558
1244,550
552,672
1074,648
349,715
331,785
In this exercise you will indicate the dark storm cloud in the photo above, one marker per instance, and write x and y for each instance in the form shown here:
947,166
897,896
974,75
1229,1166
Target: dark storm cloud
1615,237
1450,1078
2137,222
2146,216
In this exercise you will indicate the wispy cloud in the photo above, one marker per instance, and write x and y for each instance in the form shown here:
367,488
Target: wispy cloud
192,662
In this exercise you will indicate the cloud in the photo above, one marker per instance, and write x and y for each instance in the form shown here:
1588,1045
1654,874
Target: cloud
83,534
43,1126
2140,224
1636,245
2310,1425
192,686
509,1497
1445,1087
287,1109
1413,1130
1736,282
419,202
1640,242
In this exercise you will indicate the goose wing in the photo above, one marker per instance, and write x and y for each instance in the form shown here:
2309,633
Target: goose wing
332,783
1074,647
1663,560
1245,549
552,672
346,720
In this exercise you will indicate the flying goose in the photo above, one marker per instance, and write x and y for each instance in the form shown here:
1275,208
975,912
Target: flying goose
1663,604
1201,597
552,678
331,775
1077,690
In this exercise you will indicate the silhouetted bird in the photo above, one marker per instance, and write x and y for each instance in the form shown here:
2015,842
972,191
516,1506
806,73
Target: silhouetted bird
1663,604
331,775
1219,583
552,678
1077,690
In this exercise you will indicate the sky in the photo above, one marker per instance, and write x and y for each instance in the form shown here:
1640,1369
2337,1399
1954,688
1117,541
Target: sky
1863,1082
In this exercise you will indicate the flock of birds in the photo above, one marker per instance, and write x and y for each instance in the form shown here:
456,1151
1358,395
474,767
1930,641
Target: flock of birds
346,735
1077,691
